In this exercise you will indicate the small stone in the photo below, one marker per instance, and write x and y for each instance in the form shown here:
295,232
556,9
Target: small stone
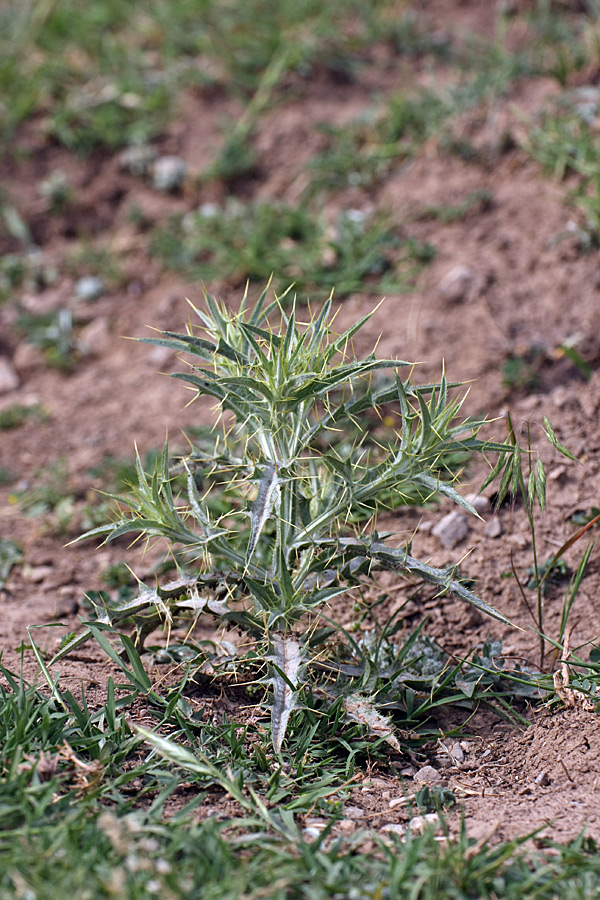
543,778
419,823
556,473
169,173
89,288
456,752
452,529
160,356
493,528
479,502
346,826
37,573
67,606
9,380
397,801
428,775
408,772
560,396
394,828
526,789
456,284
354,812
426,526
528,404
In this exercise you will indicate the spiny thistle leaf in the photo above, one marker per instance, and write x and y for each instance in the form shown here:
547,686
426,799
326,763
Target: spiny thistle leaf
263,505
287,658
360,709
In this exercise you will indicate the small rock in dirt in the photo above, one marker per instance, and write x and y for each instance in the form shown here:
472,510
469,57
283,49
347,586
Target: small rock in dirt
528,404
493,528
89,288
452,529
169,173
426,526
479,503
346,826
9,380
394,828
560,396
354,812
408,772
37,573
160,356
456,752
456,284
543,778
419,823
556,473
428,775
526,789
67,606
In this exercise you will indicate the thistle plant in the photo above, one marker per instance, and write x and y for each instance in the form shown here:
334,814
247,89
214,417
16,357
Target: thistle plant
305,529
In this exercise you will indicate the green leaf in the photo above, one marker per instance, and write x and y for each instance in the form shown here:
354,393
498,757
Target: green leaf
10,555
549,432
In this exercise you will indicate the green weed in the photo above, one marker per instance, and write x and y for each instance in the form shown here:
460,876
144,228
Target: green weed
54,334
49,496
564,142
475,202
69,777
289,552
16,415
363,151
109,76
10,555
522,475
251,242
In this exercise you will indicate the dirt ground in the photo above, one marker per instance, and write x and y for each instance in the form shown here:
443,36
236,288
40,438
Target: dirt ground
522,289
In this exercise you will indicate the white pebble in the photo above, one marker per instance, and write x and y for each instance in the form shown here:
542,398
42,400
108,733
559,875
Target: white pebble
456,284
452,529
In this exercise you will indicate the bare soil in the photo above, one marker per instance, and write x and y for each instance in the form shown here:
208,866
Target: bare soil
525,290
